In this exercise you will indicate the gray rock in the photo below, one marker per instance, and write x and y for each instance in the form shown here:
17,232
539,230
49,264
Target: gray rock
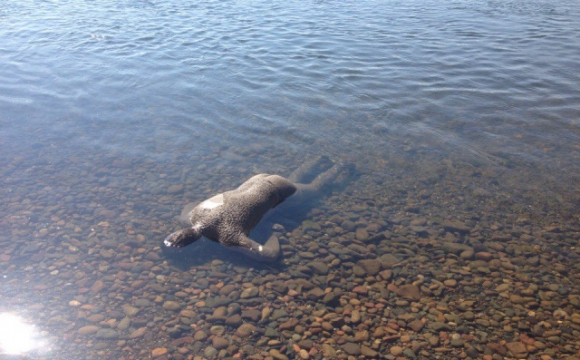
370,266
106,334
318,267
351,348
315,293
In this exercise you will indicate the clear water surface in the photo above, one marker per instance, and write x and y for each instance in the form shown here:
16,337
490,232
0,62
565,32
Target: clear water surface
114,114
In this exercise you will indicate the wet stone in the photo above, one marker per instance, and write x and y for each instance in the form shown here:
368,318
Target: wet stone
360,336
98,286
174,189
249,293
450,282
215,330
318,267
315,293
158,352
416,325
370,266
278,313
138,333
124,324
331,298
408,352
396,350
106,334
87,330
518,349
351,348
287,325
209,352
246,330
95,318
467,254
361,290
278,355
456,248
130,310
456,226
456,342
409,292
328,351
388,260
171,305
439,326
362,234
234,320
368,352
227,289
483,255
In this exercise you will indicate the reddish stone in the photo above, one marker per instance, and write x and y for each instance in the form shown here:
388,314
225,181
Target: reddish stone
182,341
518,349
98,286
484,255
526,339
290,324
411,292
361,289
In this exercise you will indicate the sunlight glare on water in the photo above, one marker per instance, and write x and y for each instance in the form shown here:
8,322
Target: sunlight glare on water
17,337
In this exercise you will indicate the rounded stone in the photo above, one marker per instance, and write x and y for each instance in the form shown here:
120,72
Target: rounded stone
171,305
219,342
396,350
249,293
158,352
245,330
89,329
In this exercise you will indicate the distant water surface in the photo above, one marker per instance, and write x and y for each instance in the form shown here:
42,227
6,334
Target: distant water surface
114,114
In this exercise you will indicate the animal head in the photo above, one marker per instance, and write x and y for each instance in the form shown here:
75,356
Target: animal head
183,237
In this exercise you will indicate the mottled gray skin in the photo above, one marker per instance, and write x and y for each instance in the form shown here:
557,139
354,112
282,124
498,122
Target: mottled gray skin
228,218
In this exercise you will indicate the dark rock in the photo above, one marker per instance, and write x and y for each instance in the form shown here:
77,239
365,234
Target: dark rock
233,320
318,267
252,314
315,294
370,266
290,324
351,348
416,325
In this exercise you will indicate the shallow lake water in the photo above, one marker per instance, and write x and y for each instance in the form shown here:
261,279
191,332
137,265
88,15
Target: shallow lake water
455,236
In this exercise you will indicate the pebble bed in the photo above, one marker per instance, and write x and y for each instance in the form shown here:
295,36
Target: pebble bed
437,264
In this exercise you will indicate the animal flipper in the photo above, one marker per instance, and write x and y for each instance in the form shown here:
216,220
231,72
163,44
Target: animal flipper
269,252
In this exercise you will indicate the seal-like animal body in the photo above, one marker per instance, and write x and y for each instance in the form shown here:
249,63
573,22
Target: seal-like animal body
228,218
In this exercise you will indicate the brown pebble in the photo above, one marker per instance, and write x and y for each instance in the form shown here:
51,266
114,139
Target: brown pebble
396,350
409,292
450,282
219,343
171,305
361,289
484,255
138,333
518,349
89,329
245,330
98,286
277,355
158,352
416,325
